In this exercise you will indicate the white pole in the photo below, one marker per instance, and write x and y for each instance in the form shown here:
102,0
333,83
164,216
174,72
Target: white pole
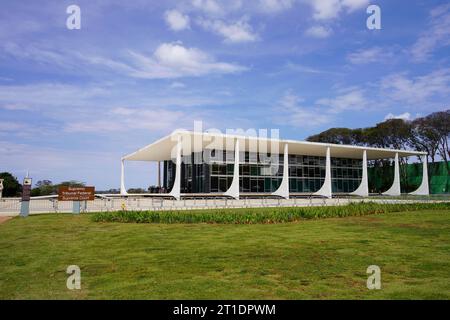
159,174
363,189
325,191
283,189
394,190
233,190
423,190
123,190
176,189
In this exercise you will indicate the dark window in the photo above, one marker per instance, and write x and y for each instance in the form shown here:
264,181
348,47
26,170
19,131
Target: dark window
223,184
267,185
246,184
214,184
253,184
293,185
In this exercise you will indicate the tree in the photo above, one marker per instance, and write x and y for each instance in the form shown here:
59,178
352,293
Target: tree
43,188
424,137
71,183
42,183
11,187
46,187
136,190
339,136
429,134
440,122
393,133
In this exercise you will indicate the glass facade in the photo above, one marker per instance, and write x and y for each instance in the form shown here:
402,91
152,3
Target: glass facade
262,174
346,174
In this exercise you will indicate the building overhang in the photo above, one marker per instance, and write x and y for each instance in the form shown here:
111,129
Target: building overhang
165,148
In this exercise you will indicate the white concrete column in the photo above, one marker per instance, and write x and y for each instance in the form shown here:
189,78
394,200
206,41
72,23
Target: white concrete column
394,190
363,189
123,190
233,190
325,191
159,174
423,190
283,189
176,189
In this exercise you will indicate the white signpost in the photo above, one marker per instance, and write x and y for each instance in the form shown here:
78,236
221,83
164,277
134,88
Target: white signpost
1,188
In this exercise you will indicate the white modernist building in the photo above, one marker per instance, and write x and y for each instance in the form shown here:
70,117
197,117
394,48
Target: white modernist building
237,165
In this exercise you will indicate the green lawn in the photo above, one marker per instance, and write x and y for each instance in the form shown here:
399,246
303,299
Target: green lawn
318,259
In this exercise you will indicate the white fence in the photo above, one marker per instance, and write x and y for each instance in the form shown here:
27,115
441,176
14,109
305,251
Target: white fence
12,206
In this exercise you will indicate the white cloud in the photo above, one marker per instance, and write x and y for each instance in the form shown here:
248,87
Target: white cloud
274,6
23,130
291,112
16,107
417,90
330,9
352,5
211,7
234,32
126,119
169,60
75,61
176,20
294,67
37,54
11,126
173,60
52,163
123,111
224,8
50,94
66,109
436,36
325,9
370,55
320,32
56,99
404,116
352,100
177,85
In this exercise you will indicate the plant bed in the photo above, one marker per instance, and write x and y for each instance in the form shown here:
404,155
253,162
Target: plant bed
261,215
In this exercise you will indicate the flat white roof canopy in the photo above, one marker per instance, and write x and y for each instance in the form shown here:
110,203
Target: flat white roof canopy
164,149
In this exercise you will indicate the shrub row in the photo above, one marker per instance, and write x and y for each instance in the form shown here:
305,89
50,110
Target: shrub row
261,215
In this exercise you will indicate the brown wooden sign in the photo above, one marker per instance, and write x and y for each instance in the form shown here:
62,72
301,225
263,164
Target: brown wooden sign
76,193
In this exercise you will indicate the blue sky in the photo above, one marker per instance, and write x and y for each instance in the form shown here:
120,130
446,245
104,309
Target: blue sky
72,102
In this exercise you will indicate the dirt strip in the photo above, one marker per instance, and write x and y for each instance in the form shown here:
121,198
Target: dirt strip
4,219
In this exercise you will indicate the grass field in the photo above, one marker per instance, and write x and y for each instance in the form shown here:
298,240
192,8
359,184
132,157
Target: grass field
314,259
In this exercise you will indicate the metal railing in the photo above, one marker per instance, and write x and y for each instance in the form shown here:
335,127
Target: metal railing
11,206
